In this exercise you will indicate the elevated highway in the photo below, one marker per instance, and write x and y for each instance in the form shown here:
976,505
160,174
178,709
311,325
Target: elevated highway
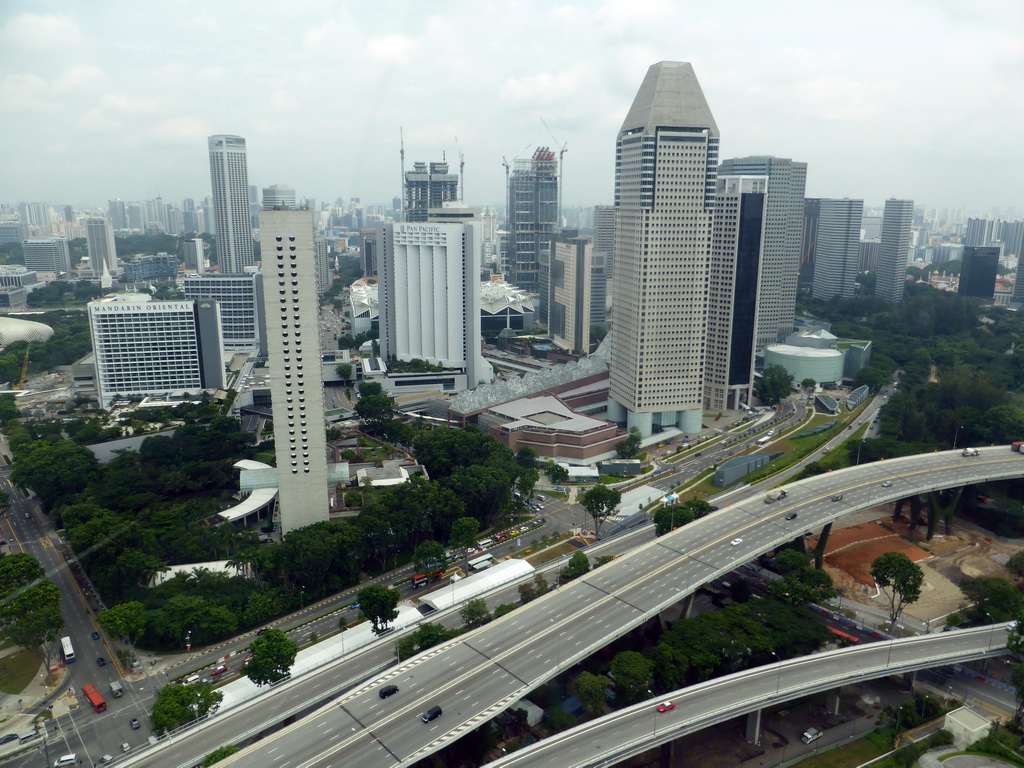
477,676
628,732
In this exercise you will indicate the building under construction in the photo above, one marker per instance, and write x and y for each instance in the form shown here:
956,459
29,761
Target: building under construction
428,187
533,220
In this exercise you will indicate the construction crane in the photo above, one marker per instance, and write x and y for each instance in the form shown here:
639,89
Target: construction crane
561,167
24,369
462,171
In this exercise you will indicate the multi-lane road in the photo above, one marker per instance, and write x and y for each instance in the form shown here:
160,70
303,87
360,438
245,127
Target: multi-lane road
480,675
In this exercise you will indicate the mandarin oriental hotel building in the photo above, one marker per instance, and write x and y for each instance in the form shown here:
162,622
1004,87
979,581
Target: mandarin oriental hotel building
155,348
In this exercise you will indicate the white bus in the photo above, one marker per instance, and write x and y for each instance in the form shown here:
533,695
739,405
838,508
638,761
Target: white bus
763,440
67,651
481,563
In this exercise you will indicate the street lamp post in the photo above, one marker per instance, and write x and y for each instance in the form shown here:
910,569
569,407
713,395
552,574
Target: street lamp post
859,446
956,435
188,640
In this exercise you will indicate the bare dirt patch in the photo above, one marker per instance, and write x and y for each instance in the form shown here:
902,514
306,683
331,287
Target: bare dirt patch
852,550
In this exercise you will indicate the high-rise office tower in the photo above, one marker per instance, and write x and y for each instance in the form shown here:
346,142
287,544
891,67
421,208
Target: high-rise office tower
533,220
118,213
296,379
322,246
604,255
241,298
189,216
368,251
195,259
99,238
47,255
837,248
666,158
979,231
571,276
430,295
736,287
812,208
229,175
146,347
894,245
978,271
278,196
783,228
428,187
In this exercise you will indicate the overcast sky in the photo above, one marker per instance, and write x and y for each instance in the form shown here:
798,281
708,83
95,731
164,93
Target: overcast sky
907,98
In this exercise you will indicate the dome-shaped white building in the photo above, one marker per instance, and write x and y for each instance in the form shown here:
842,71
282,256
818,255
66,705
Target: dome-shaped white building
14,329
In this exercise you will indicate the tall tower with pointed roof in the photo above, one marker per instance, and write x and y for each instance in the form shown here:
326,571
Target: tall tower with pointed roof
666,158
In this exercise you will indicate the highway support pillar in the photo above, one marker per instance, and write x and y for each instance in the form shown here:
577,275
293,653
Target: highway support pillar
832,701
910,679
819,551
666,758
754,728
688,605
945,512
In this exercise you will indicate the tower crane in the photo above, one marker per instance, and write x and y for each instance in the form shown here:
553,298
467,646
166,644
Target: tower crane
24,369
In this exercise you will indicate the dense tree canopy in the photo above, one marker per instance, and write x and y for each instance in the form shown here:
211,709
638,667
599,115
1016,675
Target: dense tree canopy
273,655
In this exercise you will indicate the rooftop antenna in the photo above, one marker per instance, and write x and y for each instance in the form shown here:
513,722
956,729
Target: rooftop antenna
561,168
401,142
462,172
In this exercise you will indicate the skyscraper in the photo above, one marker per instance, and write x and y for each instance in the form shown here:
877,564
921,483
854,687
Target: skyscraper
783,228
571,275
241,298
736,287
812,209
47,255
979,231
277,196
837,248
229,175
296,379
430,295
978,271
604,259
533,220
99,238
666,158
195,259
891,273
428,187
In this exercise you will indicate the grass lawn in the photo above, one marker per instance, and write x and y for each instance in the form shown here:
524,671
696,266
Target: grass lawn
17,671
849,756
267,457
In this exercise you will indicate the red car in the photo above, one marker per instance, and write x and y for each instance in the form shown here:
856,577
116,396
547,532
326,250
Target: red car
220,669
666,706
500,536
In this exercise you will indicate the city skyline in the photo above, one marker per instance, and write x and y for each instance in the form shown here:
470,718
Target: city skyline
867,107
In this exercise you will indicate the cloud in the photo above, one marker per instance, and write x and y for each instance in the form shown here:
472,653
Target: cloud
78,78
396,50
187,131
26,93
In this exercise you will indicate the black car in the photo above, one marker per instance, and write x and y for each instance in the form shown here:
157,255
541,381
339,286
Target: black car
387,690
791,516
262,631
9,738
431,714
101,662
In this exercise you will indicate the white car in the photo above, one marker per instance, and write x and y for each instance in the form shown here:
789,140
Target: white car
887,484
736,542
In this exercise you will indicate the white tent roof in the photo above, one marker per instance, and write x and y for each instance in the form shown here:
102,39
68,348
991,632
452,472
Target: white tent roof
478,584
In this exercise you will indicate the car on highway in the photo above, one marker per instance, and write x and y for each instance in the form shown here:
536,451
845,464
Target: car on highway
9,738
666,706
791,516
887,484
105,760
736,542
431,714
125,746
220,669
101,662
837,497
134,723
262,631
387,690
95,635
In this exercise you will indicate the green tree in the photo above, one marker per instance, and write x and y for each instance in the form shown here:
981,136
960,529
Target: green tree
990,600
577,566
808,384
901,579
464,532
428,554
219,754
273,655
474,613
1015,564
30,612
378,605
177,705
556,473
124,620
344,370
671,517
1017,680
376,411
590,689
773,385
600,501
53,468
8,410
630,447
526,457
634,675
